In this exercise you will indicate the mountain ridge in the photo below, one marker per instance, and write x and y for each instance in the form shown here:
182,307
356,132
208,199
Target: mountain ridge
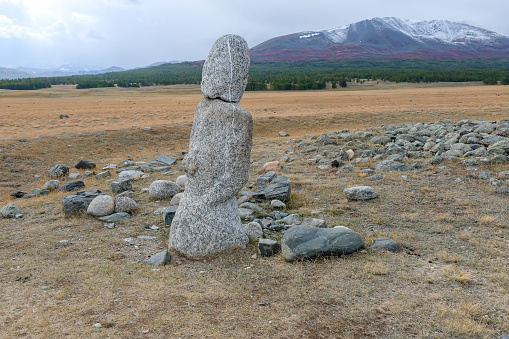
386,38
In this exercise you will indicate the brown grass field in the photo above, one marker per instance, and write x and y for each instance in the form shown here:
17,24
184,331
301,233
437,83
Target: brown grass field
60,277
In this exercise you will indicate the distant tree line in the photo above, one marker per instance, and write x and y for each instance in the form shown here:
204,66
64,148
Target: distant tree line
297,75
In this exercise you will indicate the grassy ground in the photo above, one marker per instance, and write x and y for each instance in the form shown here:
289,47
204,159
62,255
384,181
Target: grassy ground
62,277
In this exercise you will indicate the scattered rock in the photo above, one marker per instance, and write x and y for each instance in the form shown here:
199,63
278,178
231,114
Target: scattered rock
283,134
385,244
58,171
268,247
253,230
85,164
115,217
78,203
165,160
71,186
181,181
11,211
279,188
18,194
101,206
121,185
311,242
266,178
103,175
125,204
252,207
159,259
130,175
163,189
360,193
246,214
314,222
277,204
176,199
503,191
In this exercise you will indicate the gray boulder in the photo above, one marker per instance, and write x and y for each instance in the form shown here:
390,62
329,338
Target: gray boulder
11,211
163,189
500,147
85,164
71,186
279,188
130,175
266,178
176,199
246,214
78,203
101,206
50,185
385,244
121,185
268,247
58,171
311,242
277,204
253,230
360,193
314,222
103,175
125,204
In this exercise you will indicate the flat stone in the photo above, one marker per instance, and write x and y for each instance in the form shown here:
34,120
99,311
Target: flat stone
115,217
314,222
279,188
311,242
103,175
291,219
130,175
268,247
252,207
385,244
159,259
360,193
392,165
165,160
71,186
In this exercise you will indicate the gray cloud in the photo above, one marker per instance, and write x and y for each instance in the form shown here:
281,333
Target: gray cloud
132,33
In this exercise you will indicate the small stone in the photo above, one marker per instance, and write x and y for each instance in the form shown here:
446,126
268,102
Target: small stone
119,186
266,178
350,154
72,186
246,214
283,134
103,175
159,259
163,189
110,225
130,175
176,199
277,204
181,181
78,203
268,247
252,207
253,230
101,206
51,185
165,160
169,214
85,164
116,217
57,171
125,204
73,175
360,193
385,244
10,211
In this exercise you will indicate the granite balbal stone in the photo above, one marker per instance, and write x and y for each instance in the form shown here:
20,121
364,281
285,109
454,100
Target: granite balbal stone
306,242
101,206
360,193
217,164
225,71
163,189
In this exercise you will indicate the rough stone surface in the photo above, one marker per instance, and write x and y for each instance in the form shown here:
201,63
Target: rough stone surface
101,206
115,217
103,175
121,185
72,186
266,178
130,175
85,164
176,199
311,242
58,171
268,247
246,214
279,188
10,211
125,204
360,193
50,185
277,204
385,244
163,189
252,207
225,71
78,203
181,181
217,165
159,259
253,230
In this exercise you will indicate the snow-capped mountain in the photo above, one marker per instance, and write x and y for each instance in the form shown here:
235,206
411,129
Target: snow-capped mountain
386,37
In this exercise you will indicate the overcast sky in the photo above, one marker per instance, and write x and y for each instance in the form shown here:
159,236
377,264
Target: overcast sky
131,33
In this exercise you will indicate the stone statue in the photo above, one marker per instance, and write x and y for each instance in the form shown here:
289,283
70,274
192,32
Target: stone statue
217,165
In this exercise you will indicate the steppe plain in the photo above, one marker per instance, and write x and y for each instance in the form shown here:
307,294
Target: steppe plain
451,278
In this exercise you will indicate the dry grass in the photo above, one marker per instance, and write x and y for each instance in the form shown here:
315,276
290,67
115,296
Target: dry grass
61,276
